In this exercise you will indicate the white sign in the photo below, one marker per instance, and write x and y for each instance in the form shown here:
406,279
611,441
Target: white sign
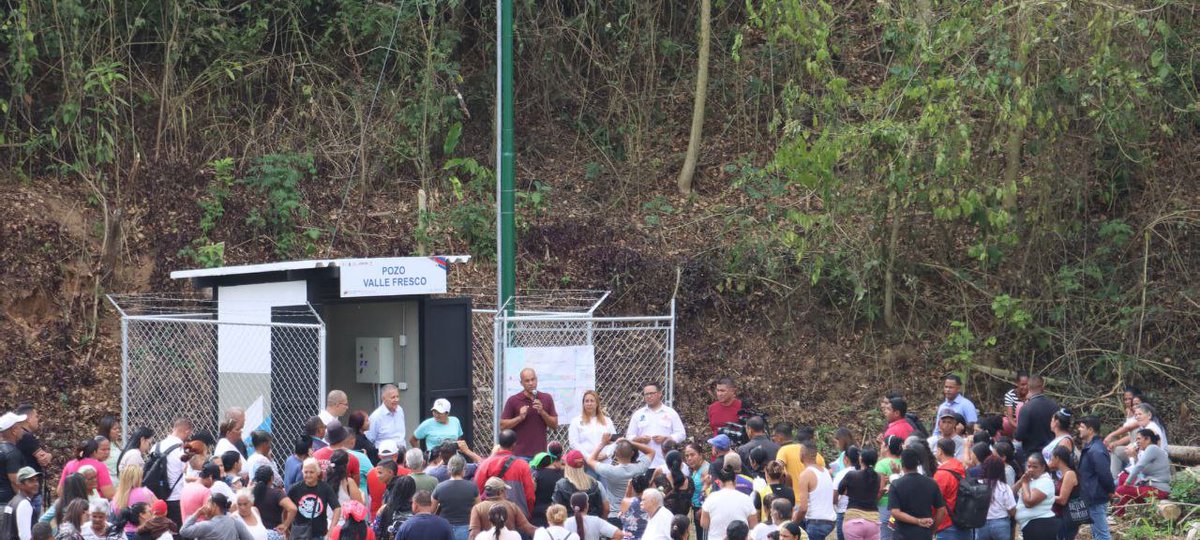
563,372
393,277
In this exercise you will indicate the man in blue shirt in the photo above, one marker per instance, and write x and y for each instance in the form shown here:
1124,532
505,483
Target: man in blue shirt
1095,480
423,525
951,388
387,421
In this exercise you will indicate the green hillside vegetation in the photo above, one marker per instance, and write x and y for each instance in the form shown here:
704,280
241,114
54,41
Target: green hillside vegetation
885,190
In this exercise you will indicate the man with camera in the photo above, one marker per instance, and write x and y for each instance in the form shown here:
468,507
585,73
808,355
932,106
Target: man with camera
756,433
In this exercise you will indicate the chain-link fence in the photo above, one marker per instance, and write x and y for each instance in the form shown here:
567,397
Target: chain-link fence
629,353
183,362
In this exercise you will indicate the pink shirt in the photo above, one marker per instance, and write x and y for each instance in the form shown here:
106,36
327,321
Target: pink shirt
137,495
103,480
193,497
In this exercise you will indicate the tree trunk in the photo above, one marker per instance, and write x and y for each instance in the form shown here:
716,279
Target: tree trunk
689,163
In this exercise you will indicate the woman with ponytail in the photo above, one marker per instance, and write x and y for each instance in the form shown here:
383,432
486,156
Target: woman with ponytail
859,490
132,517
726,505
85,454
273,505
679,495
587,526
497,517
679,527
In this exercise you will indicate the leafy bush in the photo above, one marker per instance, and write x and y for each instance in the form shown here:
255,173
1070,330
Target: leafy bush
279,177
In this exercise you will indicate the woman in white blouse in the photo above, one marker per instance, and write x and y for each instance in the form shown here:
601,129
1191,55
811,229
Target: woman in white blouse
591,429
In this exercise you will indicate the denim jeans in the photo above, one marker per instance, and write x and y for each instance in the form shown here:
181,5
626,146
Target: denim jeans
954,533
885,530
995,529
460,532
1099,515
841,519
818,530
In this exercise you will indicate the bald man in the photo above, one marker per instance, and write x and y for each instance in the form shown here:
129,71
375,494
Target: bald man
529,413
336,405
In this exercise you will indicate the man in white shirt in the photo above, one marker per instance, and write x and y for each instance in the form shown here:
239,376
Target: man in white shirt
180,432
27,488
658,518
336,405
655,423
387,421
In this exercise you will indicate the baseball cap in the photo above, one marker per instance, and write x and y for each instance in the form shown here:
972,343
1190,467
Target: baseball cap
388,448
574,458
543,459
721,442
26,473
495,485
159,507
11,419
441,405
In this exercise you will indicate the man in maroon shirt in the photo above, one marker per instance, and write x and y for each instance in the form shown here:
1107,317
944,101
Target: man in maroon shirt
529,413
726,407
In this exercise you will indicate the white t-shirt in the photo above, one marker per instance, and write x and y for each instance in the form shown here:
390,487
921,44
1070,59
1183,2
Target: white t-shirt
490,534
587,437
760,531
658,526
593,527
843,502
258,460
1043,509
1002,501
175,464
132,458
24,517
554,532
224,489
725,506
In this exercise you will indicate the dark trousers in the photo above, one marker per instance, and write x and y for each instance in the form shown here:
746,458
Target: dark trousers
1041,529
174,513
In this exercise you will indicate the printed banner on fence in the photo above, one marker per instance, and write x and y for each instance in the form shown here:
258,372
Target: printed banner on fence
563,372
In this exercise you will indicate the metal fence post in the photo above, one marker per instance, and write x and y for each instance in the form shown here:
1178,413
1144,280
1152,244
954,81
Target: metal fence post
124,379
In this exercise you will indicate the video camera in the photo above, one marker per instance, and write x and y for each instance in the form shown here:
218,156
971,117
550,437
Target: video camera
736,431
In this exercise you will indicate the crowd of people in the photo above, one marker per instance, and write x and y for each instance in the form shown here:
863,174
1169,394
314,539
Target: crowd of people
1036,468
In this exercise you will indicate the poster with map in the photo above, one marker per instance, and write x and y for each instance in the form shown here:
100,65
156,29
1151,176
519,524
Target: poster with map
563,372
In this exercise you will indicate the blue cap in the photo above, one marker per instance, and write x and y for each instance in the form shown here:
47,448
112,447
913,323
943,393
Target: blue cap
721,442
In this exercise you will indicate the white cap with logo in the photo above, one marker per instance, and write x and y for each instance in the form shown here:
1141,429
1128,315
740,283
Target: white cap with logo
441,405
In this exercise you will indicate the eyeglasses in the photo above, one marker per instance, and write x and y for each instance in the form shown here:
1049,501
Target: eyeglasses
650,393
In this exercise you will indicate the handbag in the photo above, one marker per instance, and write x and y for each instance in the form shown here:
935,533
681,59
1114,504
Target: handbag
1077,511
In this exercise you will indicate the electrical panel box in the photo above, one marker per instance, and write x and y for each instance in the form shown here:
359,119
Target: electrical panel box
374,360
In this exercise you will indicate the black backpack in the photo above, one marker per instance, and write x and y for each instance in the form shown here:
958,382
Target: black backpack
971,505
154,473
8,517
918,428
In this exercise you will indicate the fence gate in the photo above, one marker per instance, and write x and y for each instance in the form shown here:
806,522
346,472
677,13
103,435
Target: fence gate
178,359
629,353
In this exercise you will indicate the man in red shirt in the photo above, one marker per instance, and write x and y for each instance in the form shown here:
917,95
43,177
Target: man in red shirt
382,474
725,408
949,473
894,411
515,469
339,439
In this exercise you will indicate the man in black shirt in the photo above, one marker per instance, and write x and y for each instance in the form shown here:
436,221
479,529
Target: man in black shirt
1033,424
31,449
11,459
756,431
913,500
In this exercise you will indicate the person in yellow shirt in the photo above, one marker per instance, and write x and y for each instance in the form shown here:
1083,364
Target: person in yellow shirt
789,455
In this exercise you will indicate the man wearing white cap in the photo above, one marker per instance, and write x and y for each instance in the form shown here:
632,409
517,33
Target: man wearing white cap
11,459
17,518
442,427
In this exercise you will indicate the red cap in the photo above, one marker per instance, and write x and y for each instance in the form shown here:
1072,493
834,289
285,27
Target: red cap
574,458
159,508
